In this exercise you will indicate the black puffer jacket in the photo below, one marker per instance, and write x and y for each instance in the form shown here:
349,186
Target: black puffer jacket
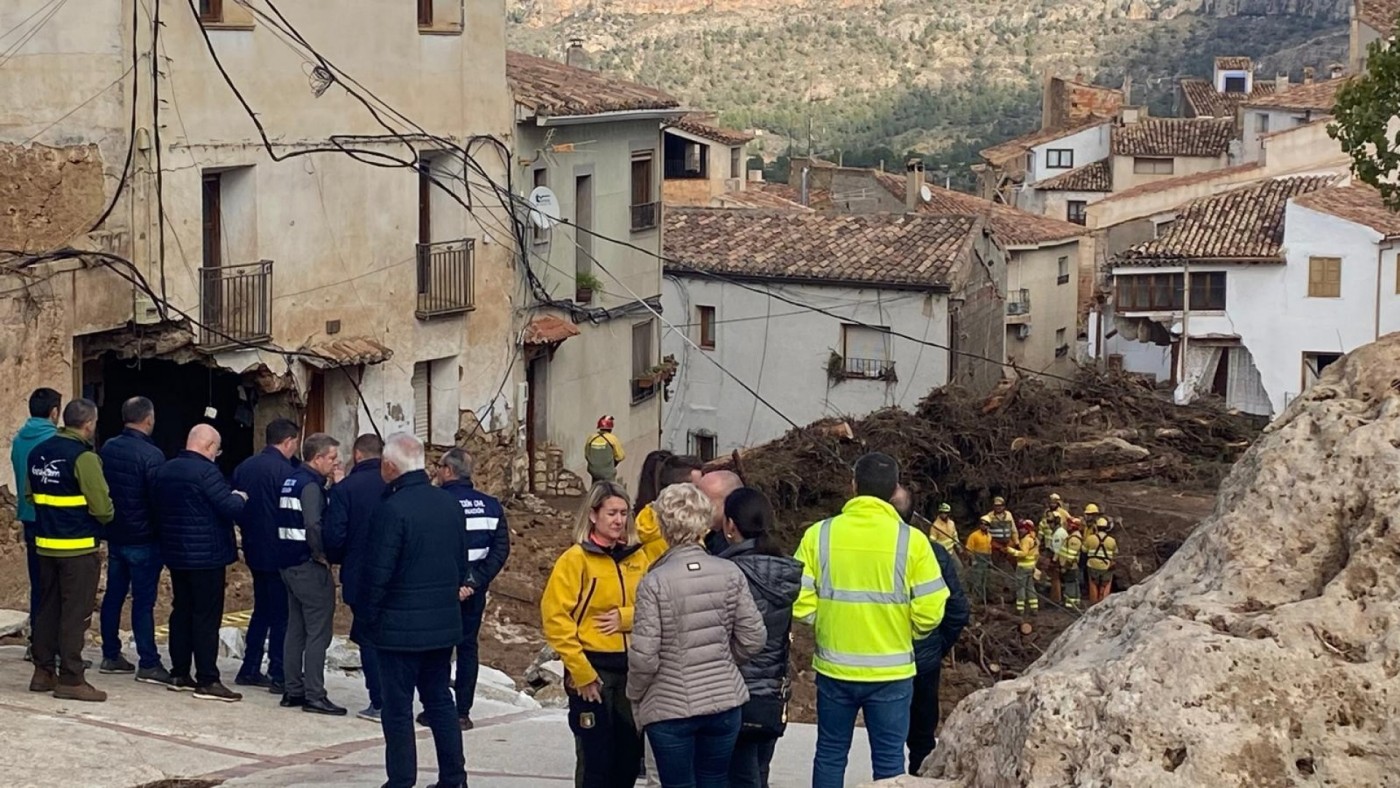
130,462
775,581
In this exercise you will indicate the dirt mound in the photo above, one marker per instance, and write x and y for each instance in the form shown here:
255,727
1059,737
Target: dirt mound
1264,653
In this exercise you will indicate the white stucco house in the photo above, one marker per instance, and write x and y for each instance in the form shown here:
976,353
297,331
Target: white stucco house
933,278
1284,277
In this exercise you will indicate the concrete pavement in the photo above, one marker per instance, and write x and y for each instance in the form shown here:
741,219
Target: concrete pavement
145,733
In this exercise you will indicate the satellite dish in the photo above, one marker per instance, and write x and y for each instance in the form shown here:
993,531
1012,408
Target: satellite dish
926,193
545,213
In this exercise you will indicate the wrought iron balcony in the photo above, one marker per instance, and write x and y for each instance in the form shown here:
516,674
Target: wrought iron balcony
446,273
646,216
868,368
1018,302
235,305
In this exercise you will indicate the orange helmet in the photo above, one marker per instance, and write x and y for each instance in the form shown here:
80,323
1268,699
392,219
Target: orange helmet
606,423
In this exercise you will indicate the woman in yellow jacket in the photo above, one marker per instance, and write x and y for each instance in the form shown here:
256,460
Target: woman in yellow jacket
587,611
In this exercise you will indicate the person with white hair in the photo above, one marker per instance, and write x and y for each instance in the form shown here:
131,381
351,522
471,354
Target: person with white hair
695,621
415,576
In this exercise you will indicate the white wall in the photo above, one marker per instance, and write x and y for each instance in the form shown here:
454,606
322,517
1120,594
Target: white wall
1089,145
782,351
1254,128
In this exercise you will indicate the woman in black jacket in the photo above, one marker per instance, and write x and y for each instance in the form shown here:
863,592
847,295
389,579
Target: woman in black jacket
774,580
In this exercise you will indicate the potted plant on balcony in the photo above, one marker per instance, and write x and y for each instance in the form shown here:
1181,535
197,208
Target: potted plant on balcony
584,285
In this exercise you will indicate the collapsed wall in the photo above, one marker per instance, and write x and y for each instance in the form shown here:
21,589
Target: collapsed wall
1264,653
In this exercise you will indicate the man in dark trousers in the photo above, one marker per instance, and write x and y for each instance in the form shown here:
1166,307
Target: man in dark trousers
71,505
488,546
346,534
130,462
196,508
44,405
261,477
928,653
414,579
307,575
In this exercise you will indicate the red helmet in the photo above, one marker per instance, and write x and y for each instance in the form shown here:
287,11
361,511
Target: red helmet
1075,524
1027,526
606,423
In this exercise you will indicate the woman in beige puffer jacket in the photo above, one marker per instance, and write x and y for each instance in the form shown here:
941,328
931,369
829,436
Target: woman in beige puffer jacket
695,623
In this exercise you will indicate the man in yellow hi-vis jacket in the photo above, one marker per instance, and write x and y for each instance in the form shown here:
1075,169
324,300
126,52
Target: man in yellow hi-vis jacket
870,591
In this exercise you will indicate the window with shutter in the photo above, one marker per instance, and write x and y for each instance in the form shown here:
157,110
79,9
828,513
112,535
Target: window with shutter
422,402
1324,277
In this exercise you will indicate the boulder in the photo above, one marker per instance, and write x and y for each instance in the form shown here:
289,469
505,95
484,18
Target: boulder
232,642
13,622
1265,652
342,654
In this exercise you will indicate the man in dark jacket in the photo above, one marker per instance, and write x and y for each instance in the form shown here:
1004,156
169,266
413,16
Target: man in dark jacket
130,462
44,405
261,477
928,653
488,546
307,575
71,504
346,533
196,508
415,577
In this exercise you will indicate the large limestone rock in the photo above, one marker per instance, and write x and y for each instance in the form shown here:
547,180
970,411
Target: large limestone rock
1265,653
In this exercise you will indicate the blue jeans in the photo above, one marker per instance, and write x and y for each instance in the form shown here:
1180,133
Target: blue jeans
267,626
694,752
885,705
133,568
430,672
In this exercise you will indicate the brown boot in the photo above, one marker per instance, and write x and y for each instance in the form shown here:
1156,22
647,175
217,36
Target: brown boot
43,681
83,692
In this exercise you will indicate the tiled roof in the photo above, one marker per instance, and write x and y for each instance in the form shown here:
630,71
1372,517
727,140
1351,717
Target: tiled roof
1379,15
1355,203
1244,225
1207,102
758,198
1152,187
703,126
1234,64
550,88
1096,177
1006,151
1174,137
345,352
818,199
548,330
1320,96
1011,226
895,250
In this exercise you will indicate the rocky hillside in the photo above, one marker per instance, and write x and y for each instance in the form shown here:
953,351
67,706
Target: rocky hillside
914,74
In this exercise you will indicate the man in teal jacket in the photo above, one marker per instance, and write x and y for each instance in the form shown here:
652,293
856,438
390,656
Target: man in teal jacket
44,405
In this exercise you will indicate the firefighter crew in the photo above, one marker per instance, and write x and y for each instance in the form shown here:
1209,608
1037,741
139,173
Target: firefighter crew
1067,551
1045,530
979,546
1026,553
603,452
488,546
1101,549
870,591
587,610
71,504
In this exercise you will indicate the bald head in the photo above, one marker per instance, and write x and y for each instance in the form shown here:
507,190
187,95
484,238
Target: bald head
204,440
717,485
903,503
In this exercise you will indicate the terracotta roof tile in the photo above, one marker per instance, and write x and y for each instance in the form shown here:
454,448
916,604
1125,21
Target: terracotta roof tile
1234,64
759,198
895,250
1355,203
345,352
1174,137
548,330
550,88
1319,96
1379,15
1096,177
704,126
1006,151
1207,102
1011,226
817,199
1244,225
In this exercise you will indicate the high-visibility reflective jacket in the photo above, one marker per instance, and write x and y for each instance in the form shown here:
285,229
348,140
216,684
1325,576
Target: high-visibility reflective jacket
1067,552
1027,552
1002,526
870,590
1102,549
945,532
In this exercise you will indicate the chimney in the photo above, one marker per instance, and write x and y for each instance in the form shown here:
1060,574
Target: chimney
913,184
755,176
1130,115
1336,70
575,55
1280,83
1308,73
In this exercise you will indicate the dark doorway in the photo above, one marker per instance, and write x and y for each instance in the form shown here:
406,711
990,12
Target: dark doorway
181,392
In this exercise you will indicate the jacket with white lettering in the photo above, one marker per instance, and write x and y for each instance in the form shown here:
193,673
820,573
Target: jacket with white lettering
488,536
301,506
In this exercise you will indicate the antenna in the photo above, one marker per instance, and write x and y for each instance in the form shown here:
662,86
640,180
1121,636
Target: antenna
546,208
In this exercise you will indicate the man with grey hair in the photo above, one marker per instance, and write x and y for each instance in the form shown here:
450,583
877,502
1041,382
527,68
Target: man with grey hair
415,577
301,553
488,546
717,485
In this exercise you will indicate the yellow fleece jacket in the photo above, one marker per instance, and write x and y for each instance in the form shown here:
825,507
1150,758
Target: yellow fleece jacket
649,531
587,582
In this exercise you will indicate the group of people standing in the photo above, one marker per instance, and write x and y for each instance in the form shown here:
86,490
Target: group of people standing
672,618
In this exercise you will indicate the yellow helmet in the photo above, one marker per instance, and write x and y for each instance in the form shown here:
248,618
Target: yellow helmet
1092,508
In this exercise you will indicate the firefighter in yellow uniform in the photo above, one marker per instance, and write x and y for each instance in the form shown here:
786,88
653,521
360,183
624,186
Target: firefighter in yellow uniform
1089,520
1026,553
979,547
944,531
1067,562
1102,550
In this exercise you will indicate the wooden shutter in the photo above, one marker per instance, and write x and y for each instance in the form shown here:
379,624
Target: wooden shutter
1324,277
422,402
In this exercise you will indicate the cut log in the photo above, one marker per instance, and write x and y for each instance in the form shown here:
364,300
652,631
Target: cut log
1114,473
1103,452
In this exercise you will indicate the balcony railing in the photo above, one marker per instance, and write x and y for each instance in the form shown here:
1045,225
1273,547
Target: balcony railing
445,278
645,216
868,368
235,304
1018,302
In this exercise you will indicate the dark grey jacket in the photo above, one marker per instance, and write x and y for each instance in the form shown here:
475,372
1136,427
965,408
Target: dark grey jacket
775,581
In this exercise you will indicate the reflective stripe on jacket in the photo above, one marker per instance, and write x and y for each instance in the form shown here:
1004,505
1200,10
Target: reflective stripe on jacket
488,536
944,532
1027,552
1067,550
70,496
1102,549
870,590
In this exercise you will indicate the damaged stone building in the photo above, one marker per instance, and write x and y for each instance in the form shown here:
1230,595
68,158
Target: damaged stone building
255,269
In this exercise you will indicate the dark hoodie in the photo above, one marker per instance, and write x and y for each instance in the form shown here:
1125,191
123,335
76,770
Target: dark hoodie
774,581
